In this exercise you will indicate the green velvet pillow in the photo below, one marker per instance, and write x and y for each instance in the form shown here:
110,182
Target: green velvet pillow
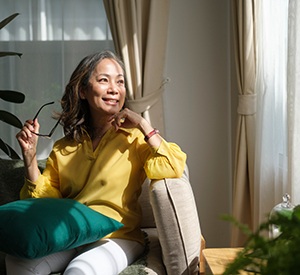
33,228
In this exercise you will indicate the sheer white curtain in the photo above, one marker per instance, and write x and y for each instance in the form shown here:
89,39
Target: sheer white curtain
294,100
53,37
271,158
44,20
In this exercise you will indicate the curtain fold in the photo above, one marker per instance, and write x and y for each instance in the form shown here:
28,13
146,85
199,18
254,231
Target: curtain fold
139,29
243,14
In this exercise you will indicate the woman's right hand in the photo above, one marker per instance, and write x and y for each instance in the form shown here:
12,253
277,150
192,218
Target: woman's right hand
26,137
28,142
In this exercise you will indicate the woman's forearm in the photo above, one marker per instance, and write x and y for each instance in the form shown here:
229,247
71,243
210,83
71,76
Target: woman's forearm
32,171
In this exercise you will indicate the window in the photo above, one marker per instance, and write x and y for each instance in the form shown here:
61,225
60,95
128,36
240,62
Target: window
53,36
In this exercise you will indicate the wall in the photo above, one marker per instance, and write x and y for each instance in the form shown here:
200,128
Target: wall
198,108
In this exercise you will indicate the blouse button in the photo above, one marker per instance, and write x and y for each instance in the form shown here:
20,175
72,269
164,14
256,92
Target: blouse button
102,183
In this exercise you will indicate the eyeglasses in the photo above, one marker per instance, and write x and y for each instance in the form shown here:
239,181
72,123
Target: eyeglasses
53,129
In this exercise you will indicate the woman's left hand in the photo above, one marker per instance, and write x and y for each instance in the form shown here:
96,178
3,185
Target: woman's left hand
129,119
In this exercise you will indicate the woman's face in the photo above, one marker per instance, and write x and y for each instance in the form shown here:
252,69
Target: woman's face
106,91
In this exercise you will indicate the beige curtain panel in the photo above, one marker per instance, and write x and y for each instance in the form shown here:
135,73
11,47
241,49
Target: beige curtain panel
139,29
243,14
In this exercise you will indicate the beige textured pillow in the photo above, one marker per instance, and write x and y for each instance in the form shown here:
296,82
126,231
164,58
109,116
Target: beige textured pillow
177,224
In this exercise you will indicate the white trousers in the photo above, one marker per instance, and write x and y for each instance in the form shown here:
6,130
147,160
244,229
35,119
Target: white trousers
105,257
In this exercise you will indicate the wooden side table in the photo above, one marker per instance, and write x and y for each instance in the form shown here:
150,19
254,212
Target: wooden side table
202,259
218,258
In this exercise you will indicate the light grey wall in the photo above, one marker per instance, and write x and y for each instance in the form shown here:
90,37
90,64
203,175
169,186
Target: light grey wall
198,108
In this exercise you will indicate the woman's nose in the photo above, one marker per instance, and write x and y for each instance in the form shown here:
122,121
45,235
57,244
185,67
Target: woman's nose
112,89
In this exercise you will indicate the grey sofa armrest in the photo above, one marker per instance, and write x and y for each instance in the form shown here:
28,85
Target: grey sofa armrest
178,225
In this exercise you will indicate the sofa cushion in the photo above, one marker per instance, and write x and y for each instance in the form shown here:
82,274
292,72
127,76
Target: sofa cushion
177,223
154,264
147,213
33,228
150,262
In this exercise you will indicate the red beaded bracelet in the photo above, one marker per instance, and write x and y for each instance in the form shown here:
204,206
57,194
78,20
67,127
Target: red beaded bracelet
152,133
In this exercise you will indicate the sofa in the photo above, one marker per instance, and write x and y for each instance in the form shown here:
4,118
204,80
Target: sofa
170,223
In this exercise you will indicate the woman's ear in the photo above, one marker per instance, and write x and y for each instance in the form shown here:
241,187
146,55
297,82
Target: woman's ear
82,94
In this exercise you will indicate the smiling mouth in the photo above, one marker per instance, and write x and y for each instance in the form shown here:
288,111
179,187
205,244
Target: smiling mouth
110,100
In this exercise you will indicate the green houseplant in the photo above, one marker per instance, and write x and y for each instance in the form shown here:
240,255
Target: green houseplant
267,256
12,97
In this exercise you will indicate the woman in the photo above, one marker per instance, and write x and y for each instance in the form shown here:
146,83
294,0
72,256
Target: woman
105,156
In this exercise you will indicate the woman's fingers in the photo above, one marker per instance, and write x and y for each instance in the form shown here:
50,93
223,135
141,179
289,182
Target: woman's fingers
118,119
26,137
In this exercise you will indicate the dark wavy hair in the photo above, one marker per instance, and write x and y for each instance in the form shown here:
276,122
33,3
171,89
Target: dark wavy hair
75,117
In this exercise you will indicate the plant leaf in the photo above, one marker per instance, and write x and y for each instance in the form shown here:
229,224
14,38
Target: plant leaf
8,150
12,96
4,22
10,119
243,227
2,54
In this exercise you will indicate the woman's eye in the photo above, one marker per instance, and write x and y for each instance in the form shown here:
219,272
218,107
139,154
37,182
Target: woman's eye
121,82
103,79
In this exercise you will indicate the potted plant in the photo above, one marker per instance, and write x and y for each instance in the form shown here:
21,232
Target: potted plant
12,97
267,256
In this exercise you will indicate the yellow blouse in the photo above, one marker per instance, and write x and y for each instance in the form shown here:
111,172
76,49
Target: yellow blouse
108,179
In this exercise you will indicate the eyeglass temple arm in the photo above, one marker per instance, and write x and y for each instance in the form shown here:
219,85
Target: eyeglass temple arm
41,109
53,129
